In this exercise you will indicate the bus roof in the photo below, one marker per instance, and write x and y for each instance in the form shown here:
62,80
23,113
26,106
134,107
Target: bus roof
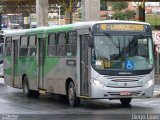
78,25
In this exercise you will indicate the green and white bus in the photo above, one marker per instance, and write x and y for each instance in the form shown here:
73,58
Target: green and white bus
89,60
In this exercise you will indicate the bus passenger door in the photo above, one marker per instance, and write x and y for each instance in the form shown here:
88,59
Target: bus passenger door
84,64
41,58
15,82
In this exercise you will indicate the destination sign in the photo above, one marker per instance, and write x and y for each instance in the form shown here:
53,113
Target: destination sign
121,27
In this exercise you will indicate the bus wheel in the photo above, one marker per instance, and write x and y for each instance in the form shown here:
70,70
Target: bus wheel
25,87
125,101
35,93
73,100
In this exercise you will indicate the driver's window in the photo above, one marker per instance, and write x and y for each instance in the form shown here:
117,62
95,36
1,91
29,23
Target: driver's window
142,47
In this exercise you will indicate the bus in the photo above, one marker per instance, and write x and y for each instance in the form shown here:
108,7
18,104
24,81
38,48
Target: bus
109,59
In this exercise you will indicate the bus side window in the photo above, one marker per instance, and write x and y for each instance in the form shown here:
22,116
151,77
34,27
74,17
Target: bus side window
23,51
8,51
72,44
32,46
61,46
52,44
32,52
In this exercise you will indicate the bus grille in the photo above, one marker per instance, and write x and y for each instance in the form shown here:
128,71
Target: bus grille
124,81
125,78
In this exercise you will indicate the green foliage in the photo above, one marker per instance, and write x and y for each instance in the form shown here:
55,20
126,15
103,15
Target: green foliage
122,15
130,14
154,20
119,15
103,5
118,6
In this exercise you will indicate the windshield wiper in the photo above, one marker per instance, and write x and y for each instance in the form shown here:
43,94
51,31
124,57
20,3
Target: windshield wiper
110,38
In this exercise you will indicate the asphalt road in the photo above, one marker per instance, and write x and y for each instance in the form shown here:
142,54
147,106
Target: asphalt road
14,106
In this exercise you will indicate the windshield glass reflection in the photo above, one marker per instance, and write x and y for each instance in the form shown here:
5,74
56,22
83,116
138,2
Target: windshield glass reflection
125,52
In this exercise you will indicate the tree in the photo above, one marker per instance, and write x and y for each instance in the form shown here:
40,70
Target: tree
130,14
119,6
119,15
120,12
103,5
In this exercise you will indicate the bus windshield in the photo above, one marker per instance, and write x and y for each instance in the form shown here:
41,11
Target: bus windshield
123,52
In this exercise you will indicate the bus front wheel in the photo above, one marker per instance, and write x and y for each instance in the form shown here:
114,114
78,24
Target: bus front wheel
125,101
25,86
72,98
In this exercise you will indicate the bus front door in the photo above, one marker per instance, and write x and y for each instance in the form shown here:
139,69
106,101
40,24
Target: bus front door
41,58
84,65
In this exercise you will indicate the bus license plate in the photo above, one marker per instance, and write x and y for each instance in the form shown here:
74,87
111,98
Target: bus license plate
125,93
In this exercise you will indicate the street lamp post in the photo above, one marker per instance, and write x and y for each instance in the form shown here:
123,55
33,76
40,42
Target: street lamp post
59,10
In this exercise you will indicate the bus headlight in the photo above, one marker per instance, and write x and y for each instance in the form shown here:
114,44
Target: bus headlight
98,83
149,84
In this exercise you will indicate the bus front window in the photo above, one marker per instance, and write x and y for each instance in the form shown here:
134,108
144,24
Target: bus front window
124,52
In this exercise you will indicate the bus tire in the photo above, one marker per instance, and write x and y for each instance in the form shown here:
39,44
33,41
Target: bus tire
26,91
125,101
35,93
72,98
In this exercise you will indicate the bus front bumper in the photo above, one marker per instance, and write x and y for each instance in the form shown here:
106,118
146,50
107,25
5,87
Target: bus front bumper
102,92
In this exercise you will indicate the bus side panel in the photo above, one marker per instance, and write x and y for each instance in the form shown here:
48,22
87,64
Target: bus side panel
57,70
27,66
32,73
7,61
8,70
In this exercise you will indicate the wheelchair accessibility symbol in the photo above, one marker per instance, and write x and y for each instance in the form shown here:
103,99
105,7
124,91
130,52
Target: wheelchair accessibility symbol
129,65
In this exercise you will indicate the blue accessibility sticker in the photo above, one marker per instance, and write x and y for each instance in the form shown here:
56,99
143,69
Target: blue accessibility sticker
129,64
